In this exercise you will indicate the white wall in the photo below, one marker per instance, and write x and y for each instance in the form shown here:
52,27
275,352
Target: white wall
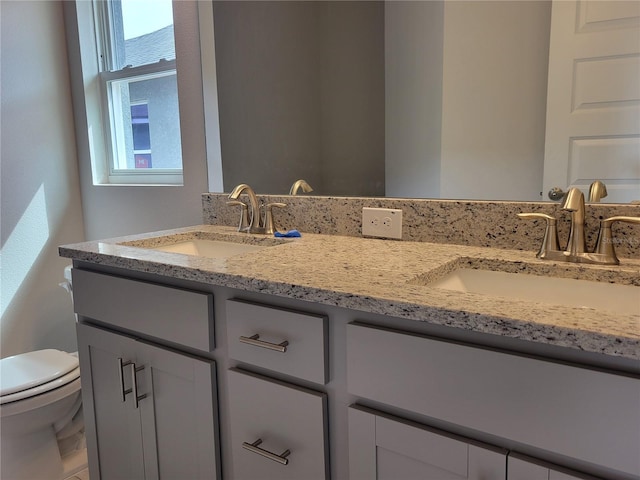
40,193
466,88
41,182
493,113
123,210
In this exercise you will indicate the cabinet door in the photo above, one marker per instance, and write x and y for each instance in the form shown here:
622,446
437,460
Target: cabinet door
384,448
118,454
278,430
178,414
488,391
521,468
171,432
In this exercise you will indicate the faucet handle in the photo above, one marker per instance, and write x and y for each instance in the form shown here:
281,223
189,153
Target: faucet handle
269,224
244,215
604,244
550,248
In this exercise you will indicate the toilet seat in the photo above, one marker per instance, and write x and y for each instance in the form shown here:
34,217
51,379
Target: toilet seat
34,373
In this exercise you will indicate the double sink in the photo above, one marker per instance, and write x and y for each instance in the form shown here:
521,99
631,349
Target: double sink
467,276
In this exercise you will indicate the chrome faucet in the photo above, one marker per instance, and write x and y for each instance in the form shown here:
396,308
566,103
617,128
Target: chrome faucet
576,251
300,184
256,223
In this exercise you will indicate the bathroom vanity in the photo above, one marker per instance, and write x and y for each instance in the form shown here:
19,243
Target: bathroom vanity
335,357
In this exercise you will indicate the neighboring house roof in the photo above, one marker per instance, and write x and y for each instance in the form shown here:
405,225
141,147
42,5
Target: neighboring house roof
151,47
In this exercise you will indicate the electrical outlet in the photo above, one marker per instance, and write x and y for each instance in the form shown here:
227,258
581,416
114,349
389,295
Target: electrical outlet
382,222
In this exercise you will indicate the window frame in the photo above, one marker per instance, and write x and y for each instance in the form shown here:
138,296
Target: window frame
110,175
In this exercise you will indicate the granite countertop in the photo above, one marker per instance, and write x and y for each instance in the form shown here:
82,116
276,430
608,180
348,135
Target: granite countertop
388,277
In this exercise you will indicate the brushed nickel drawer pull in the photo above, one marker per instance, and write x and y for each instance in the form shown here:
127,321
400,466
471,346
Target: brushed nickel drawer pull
256,342
253,447
123,392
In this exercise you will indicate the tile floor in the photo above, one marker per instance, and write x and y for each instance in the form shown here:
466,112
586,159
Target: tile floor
75,463
82,475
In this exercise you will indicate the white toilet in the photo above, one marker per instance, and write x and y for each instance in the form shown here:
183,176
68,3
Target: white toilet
42,428
40,406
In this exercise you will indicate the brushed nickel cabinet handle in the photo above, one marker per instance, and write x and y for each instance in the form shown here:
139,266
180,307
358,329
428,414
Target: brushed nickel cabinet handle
256,342
134,381
253,447
123,392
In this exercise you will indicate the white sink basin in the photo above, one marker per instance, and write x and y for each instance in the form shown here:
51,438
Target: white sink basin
209,248
623,299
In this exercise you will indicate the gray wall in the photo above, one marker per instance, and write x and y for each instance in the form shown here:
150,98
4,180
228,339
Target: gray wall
413,94
40,195
284,69
453,93
352,98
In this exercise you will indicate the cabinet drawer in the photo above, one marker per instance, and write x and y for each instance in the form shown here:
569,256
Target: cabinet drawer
589,415
181,316
305,353
284,418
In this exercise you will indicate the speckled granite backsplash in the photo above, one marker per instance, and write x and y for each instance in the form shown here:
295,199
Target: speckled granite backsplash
461,222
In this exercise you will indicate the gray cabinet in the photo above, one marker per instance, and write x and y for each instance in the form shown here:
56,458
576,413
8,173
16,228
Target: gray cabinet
542,404
523,468
149,412
182,317
288,378
282,340
387,448
116,422
278,430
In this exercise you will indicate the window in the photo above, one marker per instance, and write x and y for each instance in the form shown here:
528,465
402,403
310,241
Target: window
139,94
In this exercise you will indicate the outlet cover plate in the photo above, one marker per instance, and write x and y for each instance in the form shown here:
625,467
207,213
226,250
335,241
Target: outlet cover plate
382,222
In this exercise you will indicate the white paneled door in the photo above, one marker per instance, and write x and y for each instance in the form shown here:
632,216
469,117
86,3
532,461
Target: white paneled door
593,98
